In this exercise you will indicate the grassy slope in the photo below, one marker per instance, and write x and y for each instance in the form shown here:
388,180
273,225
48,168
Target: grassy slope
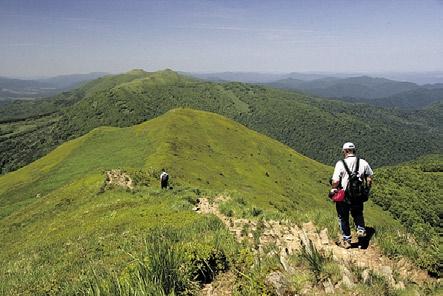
315,127
55,228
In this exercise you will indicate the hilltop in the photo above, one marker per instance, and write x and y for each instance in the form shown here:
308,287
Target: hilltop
313,126
66,227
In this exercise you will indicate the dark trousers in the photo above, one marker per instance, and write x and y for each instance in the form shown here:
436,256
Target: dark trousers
343,209
164,184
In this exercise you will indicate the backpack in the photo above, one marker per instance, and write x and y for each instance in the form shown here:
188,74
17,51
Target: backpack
357,189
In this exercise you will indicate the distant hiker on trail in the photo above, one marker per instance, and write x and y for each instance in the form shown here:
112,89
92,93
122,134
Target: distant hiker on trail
164,179
351,183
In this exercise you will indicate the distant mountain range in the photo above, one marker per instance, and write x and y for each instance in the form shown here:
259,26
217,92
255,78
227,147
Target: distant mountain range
348,87
259,77
71,80
11,88
376,91
363,87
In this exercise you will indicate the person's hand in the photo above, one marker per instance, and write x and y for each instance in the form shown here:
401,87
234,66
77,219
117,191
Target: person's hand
332,192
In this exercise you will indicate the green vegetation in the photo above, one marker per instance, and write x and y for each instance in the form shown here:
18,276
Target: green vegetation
315,261
314,127
63,232
412,193
172,262
414,99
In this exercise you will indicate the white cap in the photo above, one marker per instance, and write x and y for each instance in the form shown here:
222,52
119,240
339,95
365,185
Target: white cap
348,145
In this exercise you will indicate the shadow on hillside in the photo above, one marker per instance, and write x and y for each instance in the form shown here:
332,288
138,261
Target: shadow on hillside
363,242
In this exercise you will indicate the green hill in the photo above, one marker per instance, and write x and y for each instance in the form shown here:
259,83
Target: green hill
62,226
315,127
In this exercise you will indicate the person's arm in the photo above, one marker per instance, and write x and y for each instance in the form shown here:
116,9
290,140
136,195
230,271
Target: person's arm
369,175
335,180
335,184
336,176
369,180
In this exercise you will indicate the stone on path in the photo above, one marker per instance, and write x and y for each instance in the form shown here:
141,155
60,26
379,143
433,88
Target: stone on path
366,276
324,237
329,288
278,282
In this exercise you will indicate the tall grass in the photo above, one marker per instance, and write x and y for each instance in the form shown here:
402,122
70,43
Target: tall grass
173,262
315,260
164,261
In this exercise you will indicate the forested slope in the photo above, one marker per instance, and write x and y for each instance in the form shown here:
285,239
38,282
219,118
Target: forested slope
412,193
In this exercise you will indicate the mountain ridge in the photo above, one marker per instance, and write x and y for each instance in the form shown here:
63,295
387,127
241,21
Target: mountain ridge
370,90
61,217
304,122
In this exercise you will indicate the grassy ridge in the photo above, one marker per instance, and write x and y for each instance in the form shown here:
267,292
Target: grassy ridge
57,230
315,127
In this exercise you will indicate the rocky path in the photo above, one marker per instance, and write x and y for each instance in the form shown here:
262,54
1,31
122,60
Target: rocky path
289,238
119,178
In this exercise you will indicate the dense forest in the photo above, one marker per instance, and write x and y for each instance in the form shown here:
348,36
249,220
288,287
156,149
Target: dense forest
412,193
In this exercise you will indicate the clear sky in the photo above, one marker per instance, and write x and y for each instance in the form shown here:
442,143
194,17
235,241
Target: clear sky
49,37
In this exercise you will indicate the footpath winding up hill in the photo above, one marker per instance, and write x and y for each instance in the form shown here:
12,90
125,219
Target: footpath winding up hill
313,126
89,217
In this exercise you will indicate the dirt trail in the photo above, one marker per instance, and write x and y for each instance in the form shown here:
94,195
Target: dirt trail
119,178
290,238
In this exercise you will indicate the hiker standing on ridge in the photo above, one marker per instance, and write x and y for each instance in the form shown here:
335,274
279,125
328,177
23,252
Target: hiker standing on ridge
164,179
354,176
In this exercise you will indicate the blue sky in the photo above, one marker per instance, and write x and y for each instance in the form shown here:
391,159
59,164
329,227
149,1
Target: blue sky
49,37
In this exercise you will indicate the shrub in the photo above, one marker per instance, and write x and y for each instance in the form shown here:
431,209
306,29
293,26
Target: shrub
256,212
226,210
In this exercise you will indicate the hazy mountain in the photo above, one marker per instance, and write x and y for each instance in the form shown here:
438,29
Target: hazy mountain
32,89
71,80
362,87
416,77
19,88
257,77
375,91
248,77
419,78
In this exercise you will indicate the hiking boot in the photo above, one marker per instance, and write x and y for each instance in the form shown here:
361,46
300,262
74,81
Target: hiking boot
361,233
345,244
